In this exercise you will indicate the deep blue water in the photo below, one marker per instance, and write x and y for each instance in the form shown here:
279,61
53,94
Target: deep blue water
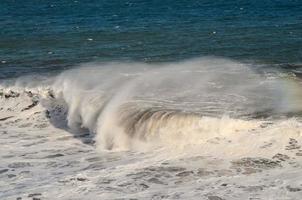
44,36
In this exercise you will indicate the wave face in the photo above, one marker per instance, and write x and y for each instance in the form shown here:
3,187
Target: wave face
127,104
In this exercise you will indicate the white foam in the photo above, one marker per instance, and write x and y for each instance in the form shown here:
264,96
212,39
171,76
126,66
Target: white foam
194,130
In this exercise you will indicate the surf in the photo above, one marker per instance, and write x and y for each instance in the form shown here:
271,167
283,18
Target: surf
132,105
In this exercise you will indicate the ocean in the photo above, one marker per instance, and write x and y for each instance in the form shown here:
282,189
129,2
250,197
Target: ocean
151,99
47,36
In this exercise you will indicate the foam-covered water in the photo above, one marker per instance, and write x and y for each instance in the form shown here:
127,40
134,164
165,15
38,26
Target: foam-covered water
191,129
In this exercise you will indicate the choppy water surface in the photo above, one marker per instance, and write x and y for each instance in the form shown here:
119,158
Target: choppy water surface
45,36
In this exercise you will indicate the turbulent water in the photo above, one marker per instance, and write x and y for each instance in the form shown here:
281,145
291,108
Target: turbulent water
151,100
132,129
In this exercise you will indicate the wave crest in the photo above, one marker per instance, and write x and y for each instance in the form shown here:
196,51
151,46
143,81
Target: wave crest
123,103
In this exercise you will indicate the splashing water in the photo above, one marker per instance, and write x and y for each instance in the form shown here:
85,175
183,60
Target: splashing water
126,104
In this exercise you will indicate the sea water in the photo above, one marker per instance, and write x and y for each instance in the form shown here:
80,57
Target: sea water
150,100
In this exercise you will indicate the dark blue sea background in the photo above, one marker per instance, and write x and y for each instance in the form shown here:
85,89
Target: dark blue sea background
52,35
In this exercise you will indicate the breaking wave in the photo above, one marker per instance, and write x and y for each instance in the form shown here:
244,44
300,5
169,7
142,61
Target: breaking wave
126,104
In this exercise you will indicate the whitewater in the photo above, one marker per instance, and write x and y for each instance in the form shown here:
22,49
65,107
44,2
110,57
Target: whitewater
205,128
